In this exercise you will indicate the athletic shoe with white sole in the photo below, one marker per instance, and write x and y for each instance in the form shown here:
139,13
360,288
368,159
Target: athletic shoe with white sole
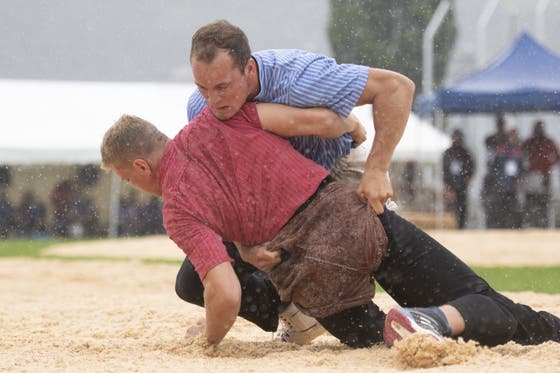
297,327
402,322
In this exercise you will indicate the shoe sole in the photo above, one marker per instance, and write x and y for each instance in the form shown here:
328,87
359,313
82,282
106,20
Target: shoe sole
399,324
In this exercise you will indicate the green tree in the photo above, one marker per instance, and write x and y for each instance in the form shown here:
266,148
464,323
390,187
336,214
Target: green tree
388,34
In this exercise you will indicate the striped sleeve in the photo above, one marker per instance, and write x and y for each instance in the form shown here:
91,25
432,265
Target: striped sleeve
195,104
304,79
325,83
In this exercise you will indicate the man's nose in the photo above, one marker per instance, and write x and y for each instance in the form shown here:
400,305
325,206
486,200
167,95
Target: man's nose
214,98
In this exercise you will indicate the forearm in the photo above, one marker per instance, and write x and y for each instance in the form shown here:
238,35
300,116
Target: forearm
222,299
391,95
392,101
220,318
288,121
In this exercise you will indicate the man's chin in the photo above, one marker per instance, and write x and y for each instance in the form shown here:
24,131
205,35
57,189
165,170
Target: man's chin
223,114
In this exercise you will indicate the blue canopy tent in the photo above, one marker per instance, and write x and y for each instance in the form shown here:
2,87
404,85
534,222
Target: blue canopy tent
526,78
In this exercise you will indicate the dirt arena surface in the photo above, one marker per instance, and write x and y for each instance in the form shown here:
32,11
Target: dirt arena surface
123,316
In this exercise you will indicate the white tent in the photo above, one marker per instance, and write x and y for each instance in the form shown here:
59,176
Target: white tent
48,122
420,142
53,122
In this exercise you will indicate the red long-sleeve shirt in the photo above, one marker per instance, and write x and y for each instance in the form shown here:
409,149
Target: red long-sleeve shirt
230,180
542,154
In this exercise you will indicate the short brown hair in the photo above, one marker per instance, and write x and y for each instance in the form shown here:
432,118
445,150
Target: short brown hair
221,35
129,138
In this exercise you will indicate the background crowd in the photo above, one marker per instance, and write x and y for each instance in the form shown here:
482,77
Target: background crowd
72,212
516,190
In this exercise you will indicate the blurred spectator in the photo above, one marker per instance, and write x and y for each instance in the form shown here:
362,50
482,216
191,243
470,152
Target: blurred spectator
497,139
541,155
490,196
7,215
62,197
508,164
7,212
137,219
85,219
88,175
489,199
409,181
151,217
75,214
31,216
458,168
129,214
5,176
85,216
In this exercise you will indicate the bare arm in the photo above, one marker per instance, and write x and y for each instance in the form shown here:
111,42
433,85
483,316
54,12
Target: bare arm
222,299
287,121
391,95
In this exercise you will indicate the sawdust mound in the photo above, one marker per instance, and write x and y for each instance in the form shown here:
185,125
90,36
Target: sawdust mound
423,351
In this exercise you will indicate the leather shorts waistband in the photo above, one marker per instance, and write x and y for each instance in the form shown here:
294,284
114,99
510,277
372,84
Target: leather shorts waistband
326,181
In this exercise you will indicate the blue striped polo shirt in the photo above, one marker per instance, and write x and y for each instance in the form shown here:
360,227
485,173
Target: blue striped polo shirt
304,79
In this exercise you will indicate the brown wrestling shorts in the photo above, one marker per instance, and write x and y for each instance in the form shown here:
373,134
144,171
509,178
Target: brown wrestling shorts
330,250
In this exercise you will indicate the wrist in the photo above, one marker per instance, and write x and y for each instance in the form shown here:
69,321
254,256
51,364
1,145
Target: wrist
375,168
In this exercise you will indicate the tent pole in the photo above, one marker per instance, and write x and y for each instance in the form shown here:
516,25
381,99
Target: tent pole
114,194
540,19
428,46
483,21
439,117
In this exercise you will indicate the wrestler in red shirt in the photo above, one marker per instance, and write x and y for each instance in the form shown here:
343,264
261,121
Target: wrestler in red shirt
187,169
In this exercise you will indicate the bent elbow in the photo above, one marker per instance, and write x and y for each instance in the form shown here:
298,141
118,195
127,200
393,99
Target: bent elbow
411,86
404,84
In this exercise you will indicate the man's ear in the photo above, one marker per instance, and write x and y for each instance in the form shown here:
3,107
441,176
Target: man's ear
251,66
142,166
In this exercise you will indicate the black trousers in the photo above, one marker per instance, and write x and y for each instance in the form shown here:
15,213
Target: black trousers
417,271
536,209
461,207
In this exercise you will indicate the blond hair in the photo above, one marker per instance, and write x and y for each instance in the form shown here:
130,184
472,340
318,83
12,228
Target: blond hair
129,138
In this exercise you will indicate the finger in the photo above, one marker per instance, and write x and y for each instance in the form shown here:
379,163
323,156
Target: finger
377,206
361,194
191,332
